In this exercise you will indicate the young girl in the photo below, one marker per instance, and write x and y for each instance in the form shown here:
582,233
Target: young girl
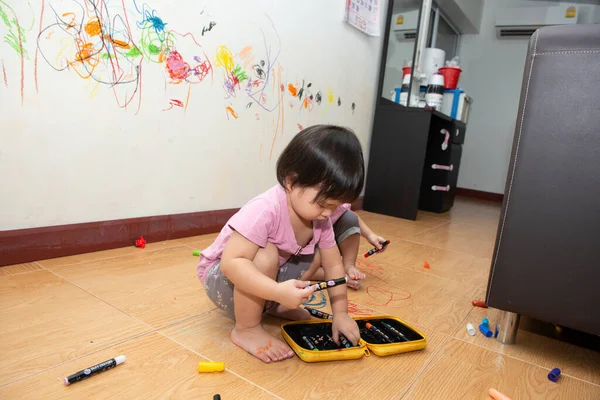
263,257
348,228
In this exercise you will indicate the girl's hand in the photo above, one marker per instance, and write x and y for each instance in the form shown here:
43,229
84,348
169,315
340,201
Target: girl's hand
342,323
292,293
376,241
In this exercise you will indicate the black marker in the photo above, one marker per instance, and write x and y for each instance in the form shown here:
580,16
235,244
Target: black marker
93,370
392,329
378,331
329,284
318,313
375,249
309,343
345,342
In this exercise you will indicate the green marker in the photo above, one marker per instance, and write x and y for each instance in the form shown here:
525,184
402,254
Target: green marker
196,253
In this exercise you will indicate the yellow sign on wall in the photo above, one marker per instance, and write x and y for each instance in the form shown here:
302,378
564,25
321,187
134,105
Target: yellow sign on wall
571,12
400,20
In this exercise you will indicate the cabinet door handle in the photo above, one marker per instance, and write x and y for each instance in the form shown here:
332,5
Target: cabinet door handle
444,167
440,188
457,132
446,139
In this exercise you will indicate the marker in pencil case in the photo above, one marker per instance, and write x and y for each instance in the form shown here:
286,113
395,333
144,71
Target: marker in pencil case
400,335
379,332
345,342
309,343
329,284
93,370
318,313
376,250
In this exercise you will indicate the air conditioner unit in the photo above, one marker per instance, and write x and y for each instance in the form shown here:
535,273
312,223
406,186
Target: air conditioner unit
524,21
405,25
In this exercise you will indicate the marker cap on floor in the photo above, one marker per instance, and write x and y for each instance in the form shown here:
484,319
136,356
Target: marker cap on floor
554,374
485,322
485,330
471,329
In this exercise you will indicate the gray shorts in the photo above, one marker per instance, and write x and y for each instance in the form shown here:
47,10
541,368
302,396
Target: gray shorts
220,289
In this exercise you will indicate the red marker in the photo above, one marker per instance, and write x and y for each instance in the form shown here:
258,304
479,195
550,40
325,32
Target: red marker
479,303
376,250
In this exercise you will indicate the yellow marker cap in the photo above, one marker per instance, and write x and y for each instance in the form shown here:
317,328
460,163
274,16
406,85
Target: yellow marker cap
211,367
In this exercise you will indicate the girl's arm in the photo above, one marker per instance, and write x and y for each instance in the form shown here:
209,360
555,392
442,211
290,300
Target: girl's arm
331,261
371,236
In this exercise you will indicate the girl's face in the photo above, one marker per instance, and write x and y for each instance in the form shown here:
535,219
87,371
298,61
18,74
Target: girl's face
303,204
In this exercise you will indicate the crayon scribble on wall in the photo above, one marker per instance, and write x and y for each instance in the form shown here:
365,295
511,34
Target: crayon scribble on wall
110,44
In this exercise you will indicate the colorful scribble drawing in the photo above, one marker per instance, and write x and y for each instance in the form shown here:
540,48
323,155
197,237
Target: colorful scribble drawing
317,300
110,43
380,292
96,44
15,38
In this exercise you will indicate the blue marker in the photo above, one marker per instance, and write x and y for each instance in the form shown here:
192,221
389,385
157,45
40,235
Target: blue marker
485,330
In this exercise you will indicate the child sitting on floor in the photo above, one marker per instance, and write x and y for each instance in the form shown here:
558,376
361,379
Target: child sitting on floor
348,228
263,257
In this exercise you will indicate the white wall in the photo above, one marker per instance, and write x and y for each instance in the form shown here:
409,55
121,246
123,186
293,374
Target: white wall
69,153
492,74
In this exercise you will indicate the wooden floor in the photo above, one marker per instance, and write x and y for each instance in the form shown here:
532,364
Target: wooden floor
62,315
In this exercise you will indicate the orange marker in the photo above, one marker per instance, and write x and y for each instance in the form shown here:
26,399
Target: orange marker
426,265
479,303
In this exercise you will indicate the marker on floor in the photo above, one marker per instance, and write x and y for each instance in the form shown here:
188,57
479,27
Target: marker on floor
479,303
93,370
210,366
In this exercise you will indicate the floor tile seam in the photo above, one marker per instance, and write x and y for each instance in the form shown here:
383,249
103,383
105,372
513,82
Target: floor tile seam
227,369
425,367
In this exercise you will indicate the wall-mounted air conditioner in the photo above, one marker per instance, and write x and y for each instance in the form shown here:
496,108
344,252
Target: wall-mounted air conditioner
405,25
524,21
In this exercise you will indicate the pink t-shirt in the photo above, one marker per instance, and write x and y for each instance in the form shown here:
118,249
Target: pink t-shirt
265,219
339,211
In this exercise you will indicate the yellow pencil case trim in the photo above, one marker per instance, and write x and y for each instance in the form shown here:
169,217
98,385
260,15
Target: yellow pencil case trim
417,342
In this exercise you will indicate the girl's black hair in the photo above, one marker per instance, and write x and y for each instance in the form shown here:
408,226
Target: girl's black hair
326,156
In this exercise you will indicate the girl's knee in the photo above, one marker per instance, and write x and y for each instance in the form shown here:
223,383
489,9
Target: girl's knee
267,259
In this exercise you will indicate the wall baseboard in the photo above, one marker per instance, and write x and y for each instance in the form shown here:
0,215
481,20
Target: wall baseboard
35,244
478,194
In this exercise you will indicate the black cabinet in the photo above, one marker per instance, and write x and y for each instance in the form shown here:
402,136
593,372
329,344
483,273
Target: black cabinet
414,161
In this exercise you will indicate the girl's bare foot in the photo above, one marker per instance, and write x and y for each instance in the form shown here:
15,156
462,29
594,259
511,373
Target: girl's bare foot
261,344
354,275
